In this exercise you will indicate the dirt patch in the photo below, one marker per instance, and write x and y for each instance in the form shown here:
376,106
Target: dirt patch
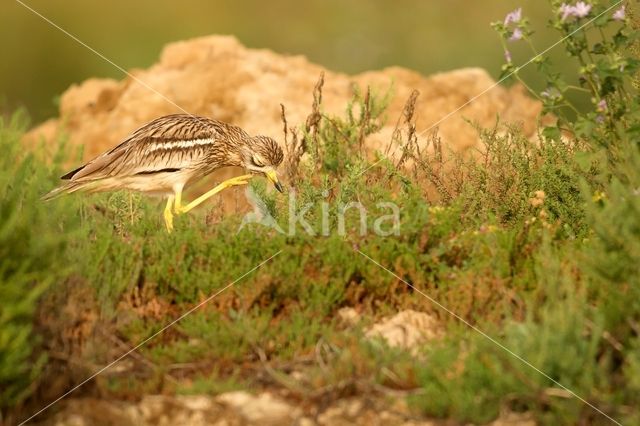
243,408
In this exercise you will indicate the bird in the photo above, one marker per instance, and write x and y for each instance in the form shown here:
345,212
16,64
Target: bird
165,155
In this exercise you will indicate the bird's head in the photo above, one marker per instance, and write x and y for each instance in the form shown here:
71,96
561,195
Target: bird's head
262,156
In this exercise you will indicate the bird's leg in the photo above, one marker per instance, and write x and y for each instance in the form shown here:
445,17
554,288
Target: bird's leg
177,205
168,215
238,180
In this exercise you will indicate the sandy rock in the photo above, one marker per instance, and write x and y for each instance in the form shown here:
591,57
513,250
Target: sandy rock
348,316
264,409
357,411
218,77
342,412
156,410
96,94
514,419
196,410
406,329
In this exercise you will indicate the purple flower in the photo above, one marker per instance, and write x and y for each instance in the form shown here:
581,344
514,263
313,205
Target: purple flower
599,118
619,15
581,9
551,93
507,56
602,105
517,35
566,11
513,17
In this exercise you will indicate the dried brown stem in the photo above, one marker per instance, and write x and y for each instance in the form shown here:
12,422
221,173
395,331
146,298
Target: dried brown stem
366,116
312,124
295,149
283,116
412,139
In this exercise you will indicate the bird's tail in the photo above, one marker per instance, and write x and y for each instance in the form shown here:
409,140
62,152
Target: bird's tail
67,188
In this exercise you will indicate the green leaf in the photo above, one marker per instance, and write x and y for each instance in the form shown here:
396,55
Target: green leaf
634,131
584,126
551,133
620,39
602,20
599,49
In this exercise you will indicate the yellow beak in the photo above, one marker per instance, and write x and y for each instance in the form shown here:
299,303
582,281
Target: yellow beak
271,175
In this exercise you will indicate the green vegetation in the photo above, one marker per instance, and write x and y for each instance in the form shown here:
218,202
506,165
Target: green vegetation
536,244
30,262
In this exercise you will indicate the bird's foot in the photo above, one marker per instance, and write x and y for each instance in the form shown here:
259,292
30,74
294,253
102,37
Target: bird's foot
238,180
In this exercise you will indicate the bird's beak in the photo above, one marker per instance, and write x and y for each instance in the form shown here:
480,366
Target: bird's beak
271,175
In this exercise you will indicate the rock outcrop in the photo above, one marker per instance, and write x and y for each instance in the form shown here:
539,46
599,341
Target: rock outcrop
218,77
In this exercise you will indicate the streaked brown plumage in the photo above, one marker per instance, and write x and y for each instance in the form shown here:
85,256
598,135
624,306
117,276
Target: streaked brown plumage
166,154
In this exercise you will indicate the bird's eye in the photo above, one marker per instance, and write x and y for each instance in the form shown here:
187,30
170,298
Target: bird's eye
257,162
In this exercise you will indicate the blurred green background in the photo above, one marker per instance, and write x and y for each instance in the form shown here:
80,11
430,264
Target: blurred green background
40,62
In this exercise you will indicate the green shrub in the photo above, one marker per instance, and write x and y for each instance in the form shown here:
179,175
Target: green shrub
578,261
31,260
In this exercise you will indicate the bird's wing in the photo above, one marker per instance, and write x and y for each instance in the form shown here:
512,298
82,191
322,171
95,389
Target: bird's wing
169,143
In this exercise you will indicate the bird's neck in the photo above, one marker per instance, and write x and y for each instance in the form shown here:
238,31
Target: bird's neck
228,153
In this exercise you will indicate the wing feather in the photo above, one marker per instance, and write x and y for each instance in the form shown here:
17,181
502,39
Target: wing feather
171,142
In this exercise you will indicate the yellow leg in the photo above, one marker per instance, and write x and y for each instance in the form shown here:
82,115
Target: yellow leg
177,205
168,216
239,180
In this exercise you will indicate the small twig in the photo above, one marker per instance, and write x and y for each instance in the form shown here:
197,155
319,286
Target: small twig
137,356
337,128
322,346
333,388
365,117
608,337
398,393
295,149
612,341
557,392
396,136
280,378
72,360
188,365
